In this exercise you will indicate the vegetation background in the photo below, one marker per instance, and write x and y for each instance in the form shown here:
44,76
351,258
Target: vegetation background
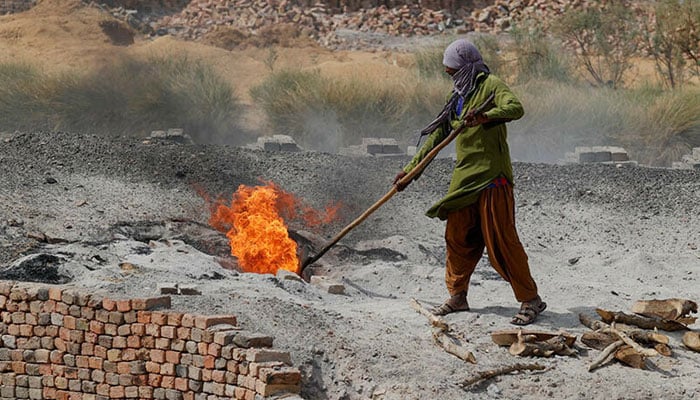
595,76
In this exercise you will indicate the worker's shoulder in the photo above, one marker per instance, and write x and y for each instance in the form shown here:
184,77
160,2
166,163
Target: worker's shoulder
493,80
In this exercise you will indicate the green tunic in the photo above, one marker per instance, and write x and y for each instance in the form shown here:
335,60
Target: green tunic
482,151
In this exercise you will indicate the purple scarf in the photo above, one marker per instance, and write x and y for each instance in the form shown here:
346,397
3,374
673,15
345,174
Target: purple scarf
463,56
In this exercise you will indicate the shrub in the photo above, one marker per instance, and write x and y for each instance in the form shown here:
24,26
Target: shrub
130,97
674,39
605,36
324,113
537,56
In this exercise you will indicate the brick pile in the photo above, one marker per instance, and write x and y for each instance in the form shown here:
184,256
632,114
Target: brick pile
60,343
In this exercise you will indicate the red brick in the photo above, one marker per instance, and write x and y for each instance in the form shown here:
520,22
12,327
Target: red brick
145,392
124,305
109,304
172,356
133,341
175,318
167,369
167,382
102,389
151,303
218,376
116,392
205,321
119,342
157,355
209,362
183,333
181,384
187,320
138,329
55,293
155,380
152,367
214,349
129,354
167,332
82,361
95,362
159,318
152,330
123,367
143,317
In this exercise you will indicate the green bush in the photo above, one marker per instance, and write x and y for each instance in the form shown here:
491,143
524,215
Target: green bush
130,97
537,56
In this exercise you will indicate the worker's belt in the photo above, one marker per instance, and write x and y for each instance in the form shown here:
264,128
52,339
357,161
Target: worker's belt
498,182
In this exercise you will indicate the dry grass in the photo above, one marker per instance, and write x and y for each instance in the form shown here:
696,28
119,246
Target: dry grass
655,126
130,97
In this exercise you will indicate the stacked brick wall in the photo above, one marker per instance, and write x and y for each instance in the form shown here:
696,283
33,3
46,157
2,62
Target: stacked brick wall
61,343
13,6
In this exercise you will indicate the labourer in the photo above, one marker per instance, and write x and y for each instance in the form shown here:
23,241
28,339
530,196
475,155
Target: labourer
479,206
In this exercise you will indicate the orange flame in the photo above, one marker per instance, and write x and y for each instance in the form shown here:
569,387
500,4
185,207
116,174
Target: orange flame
255,226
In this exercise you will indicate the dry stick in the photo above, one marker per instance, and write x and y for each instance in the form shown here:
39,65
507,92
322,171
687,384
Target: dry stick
453,346
435,320
440,327
488,374
640,321
639,349
606,355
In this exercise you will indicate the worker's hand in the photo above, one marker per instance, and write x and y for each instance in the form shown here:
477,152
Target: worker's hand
399,176
475,119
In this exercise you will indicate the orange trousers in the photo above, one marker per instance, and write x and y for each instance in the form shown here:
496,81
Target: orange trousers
489,222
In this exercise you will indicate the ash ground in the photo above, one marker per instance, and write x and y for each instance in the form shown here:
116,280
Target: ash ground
596,235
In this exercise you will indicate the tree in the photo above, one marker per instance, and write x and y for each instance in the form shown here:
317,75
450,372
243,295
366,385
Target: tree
605,36
673,39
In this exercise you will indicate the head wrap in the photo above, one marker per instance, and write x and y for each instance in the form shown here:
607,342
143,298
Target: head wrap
463,56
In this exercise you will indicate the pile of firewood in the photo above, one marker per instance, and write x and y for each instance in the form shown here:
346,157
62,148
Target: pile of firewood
630,338
633,338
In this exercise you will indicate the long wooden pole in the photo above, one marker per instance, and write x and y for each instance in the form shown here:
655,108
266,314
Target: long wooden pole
404,181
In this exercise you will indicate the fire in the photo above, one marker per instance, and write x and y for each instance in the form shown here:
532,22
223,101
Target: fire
255,225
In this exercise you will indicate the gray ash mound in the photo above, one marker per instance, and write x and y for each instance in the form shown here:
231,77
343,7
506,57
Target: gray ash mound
123,216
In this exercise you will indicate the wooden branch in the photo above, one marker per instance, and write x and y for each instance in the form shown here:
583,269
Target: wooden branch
640,321
606,355
691,340
594,324
453,346
598,340
641,350
527,346
509,336
441,334
491,373
663,349
435,320
628,355
636,334
671,309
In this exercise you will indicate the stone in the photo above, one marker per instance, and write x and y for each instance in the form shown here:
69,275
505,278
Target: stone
327,284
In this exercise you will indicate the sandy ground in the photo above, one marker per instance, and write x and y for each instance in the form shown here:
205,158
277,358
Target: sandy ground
597,236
